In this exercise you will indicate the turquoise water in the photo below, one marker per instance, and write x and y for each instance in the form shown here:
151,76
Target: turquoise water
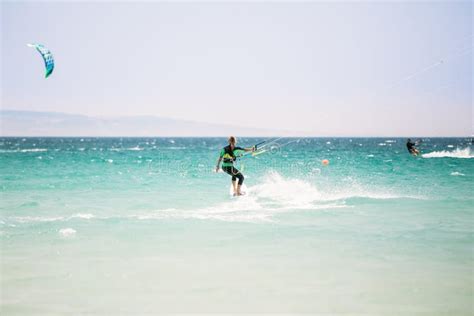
144,225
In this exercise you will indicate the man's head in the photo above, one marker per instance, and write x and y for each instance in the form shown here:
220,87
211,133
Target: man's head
232,140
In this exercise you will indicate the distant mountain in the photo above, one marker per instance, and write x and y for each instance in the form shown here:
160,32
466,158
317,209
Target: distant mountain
29,123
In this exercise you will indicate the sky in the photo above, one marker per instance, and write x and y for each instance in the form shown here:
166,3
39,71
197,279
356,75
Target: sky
314,68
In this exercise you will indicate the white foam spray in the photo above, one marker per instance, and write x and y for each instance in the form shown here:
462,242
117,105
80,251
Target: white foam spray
457,153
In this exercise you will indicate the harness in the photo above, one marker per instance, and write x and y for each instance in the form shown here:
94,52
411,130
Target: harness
229,156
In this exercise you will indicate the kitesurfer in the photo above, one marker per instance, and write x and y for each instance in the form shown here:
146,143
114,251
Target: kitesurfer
228,156
411,147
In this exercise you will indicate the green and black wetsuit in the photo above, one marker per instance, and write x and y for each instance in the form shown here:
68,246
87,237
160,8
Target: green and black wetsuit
228,158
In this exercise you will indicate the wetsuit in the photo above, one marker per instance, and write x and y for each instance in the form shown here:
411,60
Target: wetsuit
411,148
228,158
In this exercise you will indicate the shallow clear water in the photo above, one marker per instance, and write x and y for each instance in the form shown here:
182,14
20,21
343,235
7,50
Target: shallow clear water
144,225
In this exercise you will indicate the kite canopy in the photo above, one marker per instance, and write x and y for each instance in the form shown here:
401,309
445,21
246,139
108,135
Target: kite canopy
47,57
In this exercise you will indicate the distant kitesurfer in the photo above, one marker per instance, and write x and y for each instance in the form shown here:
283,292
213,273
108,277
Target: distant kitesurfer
228,156
411,147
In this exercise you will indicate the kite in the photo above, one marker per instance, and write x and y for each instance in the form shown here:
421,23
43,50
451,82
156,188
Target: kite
47,57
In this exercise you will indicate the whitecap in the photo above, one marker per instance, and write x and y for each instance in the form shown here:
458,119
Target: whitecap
84,216
455,173
136,148
29,150
33,150
27,219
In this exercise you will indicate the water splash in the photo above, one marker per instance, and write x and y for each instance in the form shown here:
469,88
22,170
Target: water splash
457,153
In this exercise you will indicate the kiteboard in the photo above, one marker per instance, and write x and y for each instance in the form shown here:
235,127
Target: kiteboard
243,189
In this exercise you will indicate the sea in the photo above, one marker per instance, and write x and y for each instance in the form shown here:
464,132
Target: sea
145,226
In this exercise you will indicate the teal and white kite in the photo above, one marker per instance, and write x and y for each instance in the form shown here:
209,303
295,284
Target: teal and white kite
47,57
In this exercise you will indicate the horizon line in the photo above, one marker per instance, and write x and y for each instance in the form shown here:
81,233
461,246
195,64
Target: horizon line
225,136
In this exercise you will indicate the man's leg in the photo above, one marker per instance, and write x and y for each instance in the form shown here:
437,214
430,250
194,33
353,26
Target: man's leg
230,171
234,185
241,181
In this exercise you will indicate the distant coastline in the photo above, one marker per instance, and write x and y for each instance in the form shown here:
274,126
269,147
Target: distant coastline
14,123
55,124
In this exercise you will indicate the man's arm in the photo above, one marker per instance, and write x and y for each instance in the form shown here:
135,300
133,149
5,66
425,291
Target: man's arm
218,164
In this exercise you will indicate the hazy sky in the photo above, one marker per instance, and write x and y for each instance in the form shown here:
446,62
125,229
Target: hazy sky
342,69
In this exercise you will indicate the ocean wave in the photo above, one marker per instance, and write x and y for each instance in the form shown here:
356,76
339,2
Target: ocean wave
83,216
136,148
213,213
457,153
272,196
275,195
28,150
28,219
33,150
32,219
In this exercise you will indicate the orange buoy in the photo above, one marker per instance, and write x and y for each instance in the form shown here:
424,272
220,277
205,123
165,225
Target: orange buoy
325,162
